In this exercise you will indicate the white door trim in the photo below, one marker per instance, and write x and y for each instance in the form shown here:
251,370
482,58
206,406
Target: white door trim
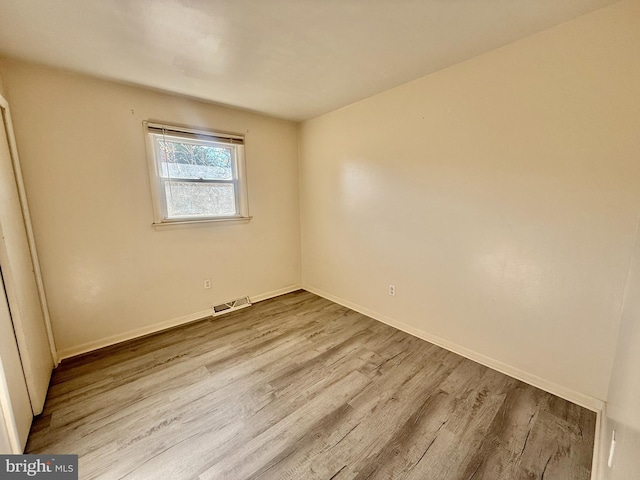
13,149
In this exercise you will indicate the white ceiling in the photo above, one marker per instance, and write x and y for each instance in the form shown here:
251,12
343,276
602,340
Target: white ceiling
293,59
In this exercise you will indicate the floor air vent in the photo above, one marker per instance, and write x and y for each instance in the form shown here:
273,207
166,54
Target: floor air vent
236,304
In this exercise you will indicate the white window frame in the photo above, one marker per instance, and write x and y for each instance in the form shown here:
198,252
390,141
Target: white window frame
205,137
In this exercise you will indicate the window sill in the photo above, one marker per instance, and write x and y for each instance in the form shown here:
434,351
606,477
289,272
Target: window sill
204,222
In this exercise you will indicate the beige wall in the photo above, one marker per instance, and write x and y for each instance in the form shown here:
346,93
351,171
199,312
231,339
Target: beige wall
500,196
106,270
623,402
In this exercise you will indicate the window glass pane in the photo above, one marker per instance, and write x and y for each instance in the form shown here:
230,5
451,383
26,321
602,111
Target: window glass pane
192,161
186,199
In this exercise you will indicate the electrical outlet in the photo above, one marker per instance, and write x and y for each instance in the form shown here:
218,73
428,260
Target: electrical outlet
207,283
392,290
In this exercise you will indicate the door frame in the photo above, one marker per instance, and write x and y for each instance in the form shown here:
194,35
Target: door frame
5,115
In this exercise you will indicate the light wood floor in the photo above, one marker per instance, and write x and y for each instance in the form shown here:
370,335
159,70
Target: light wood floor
298,387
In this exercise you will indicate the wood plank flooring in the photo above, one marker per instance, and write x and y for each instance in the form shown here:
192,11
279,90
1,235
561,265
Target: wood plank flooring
298,387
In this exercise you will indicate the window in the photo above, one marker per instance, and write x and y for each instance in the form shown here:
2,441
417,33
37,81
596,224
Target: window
196,175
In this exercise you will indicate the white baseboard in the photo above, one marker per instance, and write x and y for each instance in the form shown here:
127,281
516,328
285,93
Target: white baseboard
131,334
573,396
275,293
158,327
578,398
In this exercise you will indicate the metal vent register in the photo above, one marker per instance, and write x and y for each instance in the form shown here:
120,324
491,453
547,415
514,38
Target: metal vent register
226,307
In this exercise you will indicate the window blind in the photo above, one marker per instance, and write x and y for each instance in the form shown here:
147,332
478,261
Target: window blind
160,129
